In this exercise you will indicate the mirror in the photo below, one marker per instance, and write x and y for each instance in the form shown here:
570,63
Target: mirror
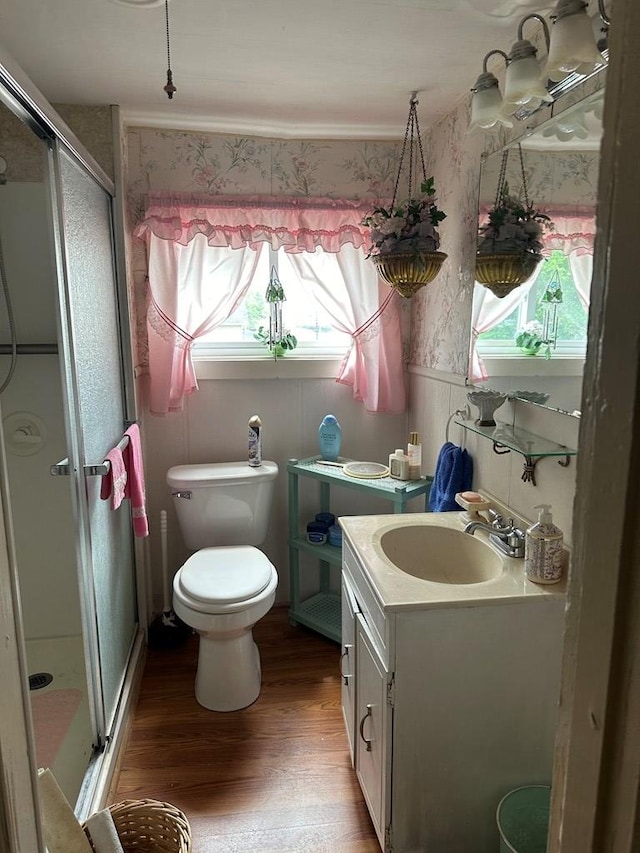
529,344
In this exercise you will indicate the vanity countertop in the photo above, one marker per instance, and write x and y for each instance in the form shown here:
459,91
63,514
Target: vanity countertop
398,590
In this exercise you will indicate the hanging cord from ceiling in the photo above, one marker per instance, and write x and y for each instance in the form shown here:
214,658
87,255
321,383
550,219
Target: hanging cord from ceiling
170,89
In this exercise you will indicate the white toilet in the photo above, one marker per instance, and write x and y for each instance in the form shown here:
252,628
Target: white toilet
227,585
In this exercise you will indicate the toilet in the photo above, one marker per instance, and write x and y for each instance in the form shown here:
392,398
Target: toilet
227,585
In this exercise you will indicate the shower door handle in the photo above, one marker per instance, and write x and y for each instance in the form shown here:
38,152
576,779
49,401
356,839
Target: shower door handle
61,468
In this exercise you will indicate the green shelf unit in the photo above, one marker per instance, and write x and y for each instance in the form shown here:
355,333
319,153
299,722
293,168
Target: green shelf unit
321,611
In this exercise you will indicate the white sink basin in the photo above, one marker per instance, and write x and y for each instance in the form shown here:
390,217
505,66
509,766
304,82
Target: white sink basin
440,554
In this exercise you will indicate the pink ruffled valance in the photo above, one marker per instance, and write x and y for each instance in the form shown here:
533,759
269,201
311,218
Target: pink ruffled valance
293,224
572,233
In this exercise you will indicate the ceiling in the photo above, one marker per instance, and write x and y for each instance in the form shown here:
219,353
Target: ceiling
289,68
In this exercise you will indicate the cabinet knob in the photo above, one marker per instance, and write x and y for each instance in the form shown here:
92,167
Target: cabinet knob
362,722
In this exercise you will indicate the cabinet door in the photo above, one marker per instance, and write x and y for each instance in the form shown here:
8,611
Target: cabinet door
348,661
373,735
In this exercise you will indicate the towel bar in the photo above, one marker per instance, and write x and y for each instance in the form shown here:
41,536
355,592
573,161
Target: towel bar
63,469
463,413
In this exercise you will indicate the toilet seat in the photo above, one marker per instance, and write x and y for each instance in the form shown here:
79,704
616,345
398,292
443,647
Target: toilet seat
224,576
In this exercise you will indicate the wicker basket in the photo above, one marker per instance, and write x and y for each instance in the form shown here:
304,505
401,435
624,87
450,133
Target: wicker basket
407,273
149,826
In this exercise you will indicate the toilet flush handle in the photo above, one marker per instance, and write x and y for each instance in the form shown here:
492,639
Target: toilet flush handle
186,495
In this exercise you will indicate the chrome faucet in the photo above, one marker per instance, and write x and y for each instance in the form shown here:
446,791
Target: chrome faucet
504,535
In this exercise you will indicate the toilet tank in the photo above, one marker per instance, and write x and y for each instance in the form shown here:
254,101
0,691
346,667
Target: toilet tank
223,503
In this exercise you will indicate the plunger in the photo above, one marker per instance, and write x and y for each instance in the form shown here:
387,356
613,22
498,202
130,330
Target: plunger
167,630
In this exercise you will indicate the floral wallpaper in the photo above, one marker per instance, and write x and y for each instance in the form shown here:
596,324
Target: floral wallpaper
562,177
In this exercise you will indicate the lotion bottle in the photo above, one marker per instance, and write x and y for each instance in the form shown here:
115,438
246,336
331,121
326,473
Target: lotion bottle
399,465
255,441
414,452
543,553
330,438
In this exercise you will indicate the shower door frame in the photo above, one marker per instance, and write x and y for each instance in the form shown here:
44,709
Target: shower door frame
18,782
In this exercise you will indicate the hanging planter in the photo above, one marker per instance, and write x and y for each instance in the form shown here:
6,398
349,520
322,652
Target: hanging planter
404,237
502,273
510,244
408,273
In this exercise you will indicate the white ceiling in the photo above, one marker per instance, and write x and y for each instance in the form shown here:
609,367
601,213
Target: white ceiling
329,68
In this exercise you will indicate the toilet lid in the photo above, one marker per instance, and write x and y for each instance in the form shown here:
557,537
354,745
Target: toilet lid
225,575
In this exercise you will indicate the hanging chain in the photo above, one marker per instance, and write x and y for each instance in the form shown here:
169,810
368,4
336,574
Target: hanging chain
524,180
412,131
170,89
503,171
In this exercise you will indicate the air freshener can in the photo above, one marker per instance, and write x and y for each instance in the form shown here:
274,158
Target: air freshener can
255,441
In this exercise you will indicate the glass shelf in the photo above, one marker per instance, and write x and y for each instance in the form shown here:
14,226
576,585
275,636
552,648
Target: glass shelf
533,447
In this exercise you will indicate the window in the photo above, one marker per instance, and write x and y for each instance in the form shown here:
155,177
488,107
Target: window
572,314
303,315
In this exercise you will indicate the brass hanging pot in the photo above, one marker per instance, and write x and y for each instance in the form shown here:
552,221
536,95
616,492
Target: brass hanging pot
503,271
408,271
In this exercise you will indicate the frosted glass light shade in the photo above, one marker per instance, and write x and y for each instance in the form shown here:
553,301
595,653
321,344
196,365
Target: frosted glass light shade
523,86
565,128
485,110
572,48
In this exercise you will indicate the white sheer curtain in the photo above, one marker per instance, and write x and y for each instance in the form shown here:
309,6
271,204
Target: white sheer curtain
489,310
192,289
582,271
364,308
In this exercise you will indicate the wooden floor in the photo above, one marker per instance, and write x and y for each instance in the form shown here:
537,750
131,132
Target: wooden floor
272,777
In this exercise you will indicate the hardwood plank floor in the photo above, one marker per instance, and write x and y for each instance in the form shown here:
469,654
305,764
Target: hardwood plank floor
273,777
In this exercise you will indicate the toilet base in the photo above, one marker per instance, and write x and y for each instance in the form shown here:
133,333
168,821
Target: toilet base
229,674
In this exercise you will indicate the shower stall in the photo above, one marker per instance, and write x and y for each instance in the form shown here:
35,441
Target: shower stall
66,400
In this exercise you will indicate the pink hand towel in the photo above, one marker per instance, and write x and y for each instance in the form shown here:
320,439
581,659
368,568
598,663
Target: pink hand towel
134,489
114,483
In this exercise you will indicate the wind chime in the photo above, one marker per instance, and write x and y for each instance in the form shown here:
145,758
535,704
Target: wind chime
275,297
551,299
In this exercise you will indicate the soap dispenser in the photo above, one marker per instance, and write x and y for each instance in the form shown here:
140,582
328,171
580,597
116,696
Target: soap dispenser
543,553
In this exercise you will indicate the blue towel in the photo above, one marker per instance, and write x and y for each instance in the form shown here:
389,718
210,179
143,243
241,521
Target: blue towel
454,473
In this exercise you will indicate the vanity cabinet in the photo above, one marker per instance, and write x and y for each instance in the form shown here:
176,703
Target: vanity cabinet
447,707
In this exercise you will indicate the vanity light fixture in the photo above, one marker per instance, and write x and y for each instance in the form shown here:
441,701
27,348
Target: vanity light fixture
523,85
486,102
571,126
574,53
573,44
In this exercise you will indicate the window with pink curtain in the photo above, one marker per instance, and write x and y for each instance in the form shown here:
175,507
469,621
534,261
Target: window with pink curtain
182,234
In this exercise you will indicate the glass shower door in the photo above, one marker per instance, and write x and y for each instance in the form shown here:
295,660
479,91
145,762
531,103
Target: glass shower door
94,383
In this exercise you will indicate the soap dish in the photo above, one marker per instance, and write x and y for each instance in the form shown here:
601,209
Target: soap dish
472,507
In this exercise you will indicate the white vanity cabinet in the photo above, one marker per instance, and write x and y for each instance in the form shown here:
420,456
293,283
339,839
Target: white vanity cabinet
448,706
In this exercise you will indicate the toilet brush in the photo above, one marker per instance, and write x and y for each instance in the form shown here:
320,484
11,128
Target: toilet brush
167,630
